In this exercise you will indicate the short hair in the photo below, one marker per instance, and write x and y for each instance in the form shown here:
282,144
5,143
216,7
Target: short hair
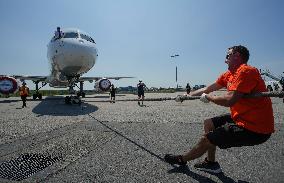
244,52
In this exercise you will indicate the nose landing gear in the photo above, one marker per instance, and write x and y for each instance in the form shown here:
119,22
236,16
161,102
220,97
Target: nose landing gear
72,99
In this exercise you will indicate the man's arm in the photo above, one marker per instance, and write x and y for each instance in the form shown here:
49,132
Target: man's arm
227,100
207,89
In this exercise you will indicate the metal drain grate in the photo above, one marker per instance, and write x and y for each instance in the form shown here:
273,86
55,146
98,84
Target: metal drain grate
26,165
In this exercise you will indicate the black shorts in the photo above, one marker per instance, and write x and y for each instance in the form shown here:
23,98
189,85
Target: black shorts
140,93
227,134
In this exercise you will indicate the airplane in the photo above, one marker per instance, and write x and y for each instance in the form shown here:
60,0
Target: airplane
277,84
71,53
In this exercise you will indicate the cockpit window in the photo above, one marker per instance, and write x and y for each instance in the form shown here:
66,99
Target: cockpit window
70,35
88,38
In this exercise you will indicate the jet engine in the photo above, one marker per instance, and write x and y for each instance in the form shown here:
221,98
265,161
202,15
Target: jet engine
8,85
102,85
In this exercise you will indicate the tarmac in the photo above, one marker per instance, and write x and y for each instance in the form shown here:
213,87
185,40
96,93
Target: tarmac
97,141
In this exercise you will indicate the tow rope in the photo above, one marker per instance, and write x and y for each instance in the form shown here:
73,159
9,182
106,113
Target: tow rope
180,98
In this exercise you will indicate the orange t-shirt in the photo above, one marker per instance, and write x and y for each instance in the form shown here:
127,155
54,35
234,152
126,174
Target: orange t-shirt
24,91
254,114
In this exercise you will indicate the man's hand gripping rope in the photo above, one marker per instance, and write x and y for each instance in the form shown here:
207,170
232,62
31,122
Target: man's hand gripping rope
204,99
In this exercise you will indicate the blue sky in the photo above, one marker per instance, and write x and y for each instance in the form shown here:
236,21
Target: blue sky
137,37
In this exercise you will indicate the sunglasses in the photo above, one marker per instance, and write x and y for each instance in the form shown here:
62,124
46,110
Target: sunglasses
228,55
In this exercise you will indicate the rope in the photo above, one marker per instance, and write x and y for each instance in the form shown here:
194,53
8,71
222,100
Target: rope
182,97
252,95
149,99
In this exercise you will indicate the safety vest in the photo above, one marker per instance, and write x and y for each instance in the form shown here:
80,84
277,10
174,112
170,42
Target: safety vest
24,90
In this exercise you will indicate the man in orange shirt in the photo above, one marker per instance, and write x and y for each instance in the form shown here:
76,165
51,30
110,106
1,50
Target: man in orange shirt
251,121
24,92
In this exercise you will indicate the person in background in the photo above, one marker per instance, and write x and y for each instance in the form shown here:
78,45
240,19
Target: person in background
112,93
58,33
140,88
24,92
188,88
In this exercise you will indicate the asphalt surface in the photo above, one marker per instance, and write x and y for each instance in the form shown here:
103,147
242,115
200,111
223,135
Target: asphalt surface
50,141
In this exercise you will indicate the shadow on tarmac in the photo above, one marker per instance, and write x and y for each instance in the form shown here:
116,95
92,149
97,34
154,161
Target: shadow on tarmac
142,105
200,178
185,170
55,106
226,179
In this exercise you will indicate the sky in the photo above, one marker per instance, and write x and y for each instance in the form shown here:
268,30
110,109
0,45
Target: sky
137,37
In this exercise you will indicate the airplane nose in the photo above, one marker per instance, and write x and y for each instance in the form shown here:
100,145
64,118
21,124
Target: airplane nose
78,58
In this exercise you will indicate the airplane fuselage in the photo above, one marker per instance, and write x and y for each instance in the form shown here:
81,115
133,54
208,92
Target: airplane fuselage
70,56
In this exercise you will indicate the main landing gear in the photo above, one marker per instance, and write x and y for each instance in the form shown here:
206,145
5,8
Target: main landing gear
37,94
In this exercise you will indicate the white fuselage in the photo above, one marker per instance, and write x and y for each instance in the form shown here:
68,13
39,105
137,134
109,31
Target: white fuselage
70,56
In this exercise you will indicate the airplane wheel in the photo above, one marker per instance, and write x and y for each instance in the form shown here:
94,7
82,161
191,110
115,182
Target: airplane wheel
34,96
39,96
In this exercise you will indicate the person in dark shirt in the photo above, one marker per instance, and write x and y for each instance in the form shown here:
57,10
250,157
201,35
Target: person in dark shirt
188,88
140,88
58,33
112,93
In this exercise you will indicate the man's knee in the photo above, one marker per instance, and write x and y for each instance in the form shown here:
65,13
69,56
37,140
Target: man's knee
206,142
208,125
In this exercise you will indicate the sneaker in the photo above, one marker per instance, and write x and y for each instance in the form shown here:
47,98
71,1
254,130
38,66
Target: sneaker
138,103
208,166
174,159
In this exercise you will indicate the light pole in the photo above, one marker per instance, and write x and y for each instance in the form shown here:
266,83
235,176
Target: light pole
174,56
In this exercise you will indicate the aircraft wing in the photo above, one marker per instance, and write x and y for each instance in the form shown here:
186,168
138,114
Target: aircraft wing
98,78
32,78
44,78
